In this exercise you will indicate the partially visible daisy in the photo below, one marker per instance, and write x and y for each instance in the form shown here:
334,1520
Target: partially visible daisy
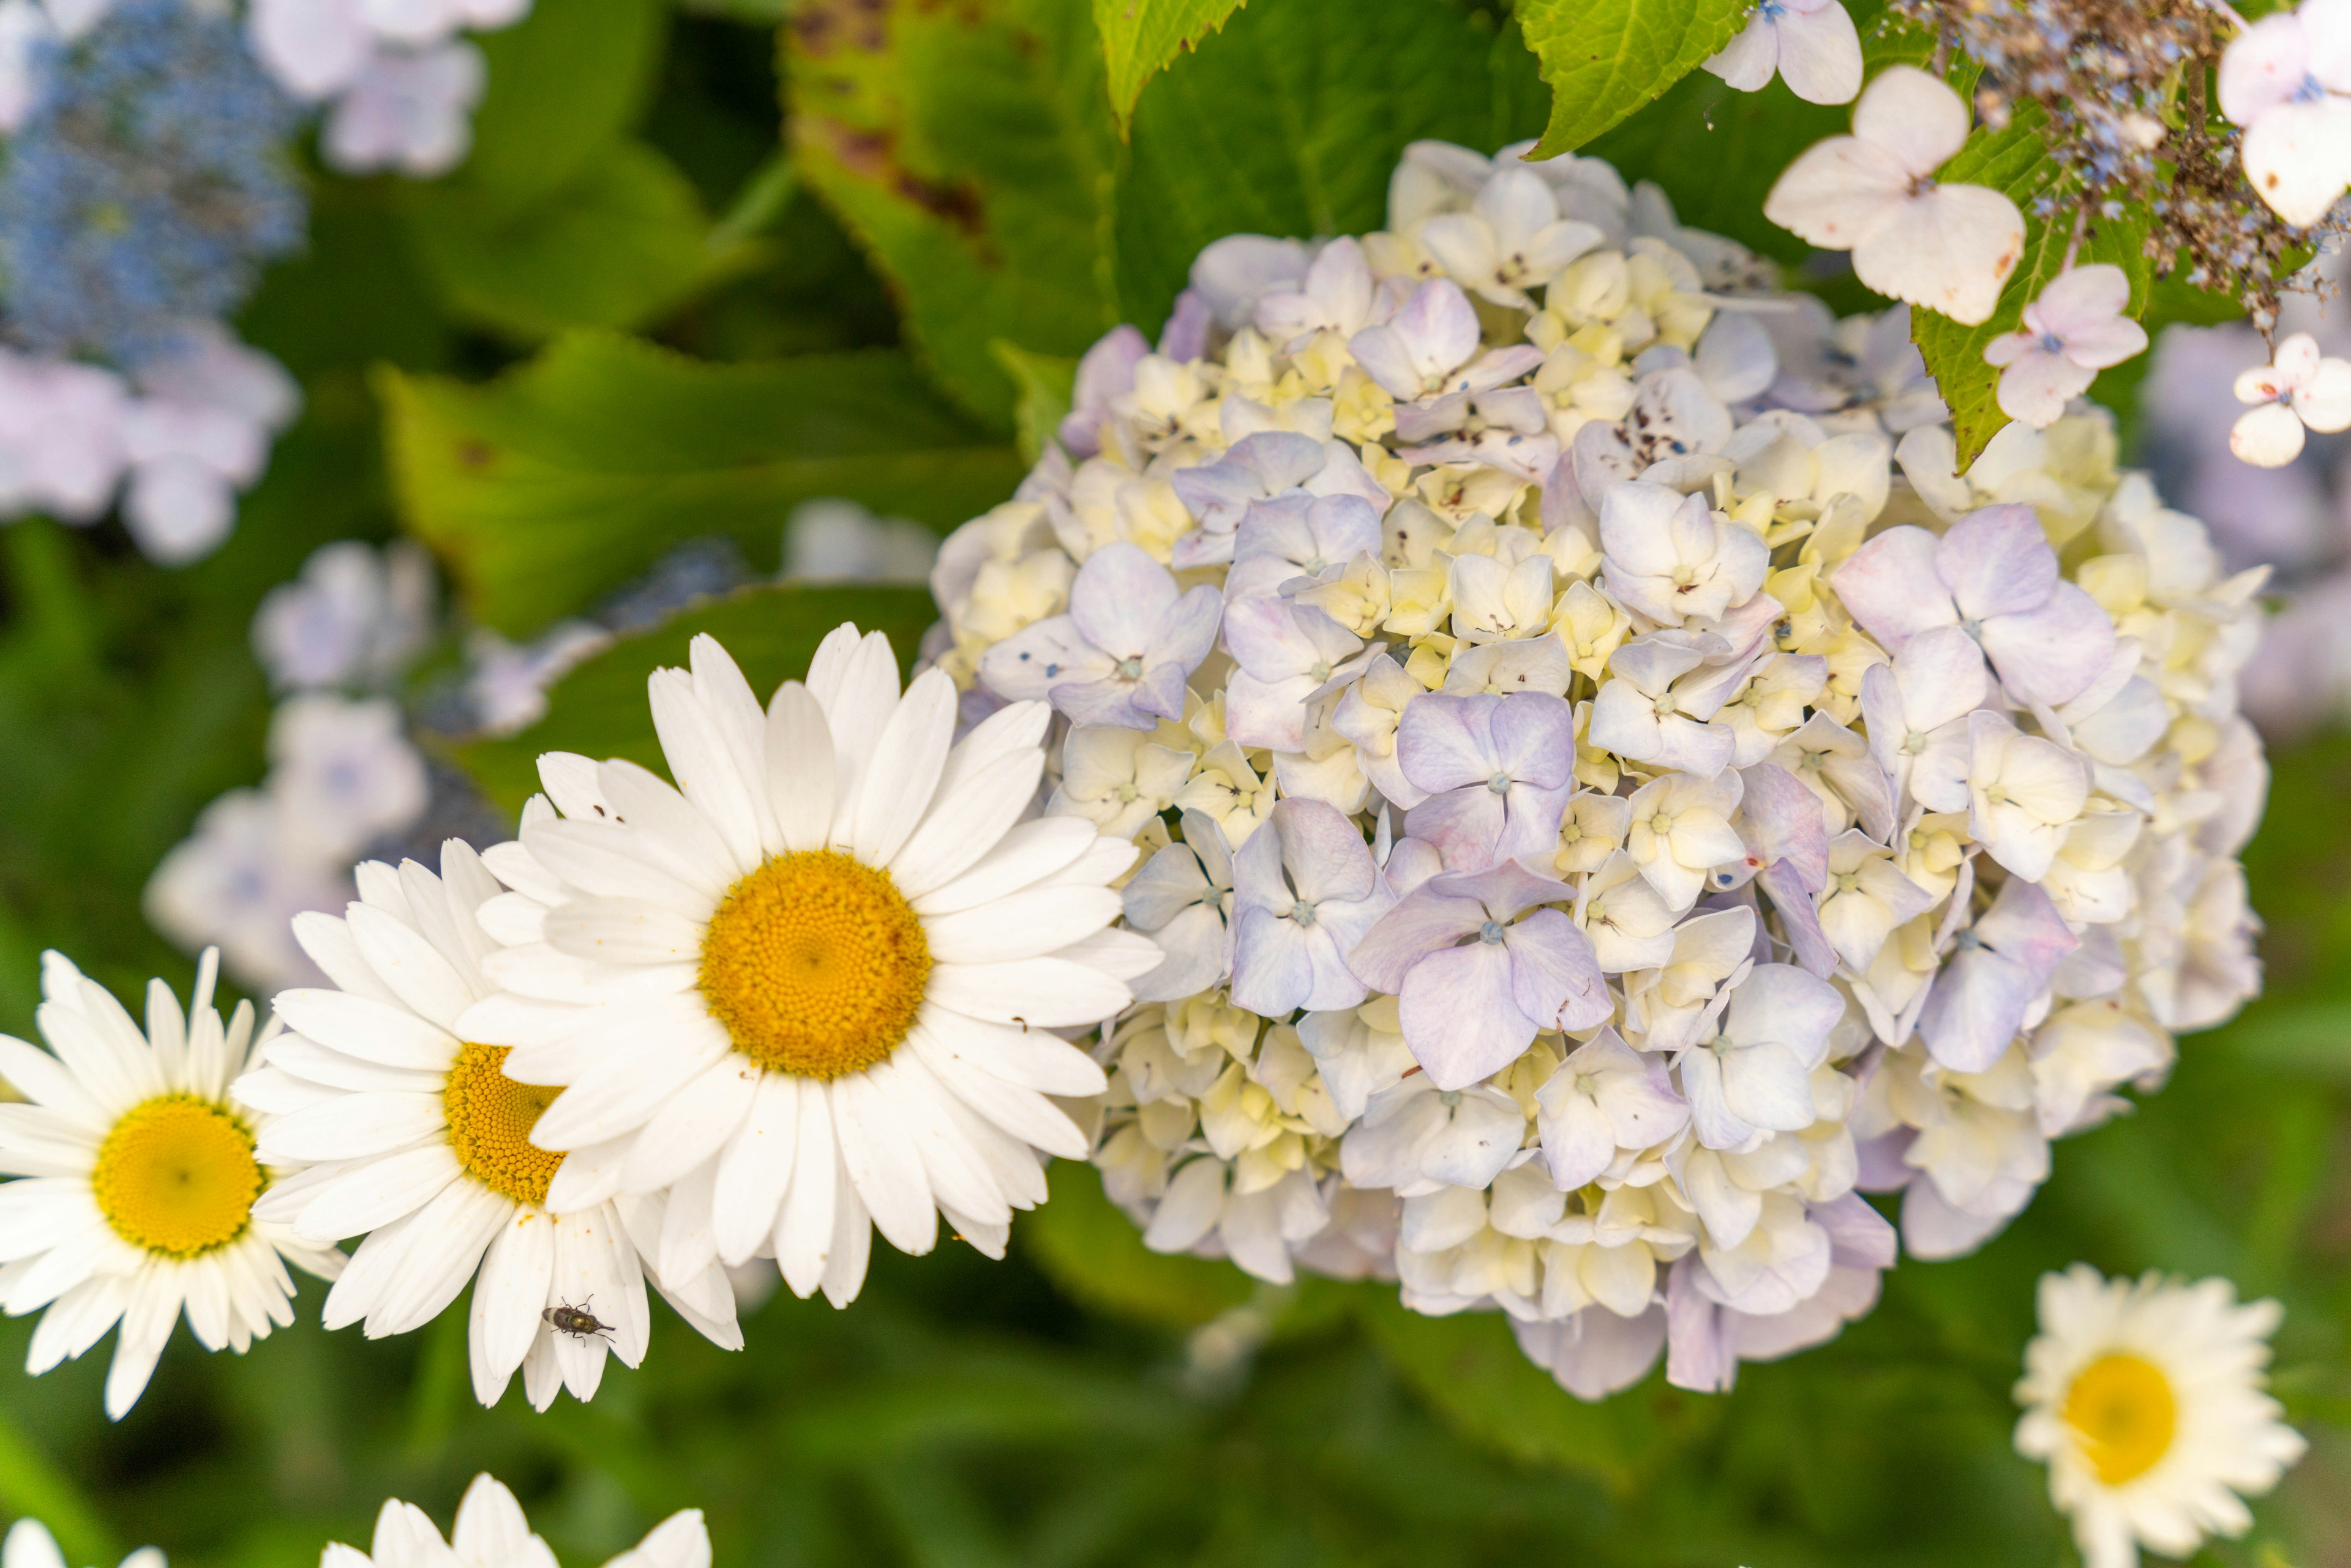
140,1182
810,991
29,1544
2146,1401
412,1136
491,1532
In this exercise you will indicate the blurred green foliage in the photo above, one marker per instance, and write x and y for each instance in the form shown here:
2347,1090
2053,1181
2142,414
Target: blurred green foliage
1085,1401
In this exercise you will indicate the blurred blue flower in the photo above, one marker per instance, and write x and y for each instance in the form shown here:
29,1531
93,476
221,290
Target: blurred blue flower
147,186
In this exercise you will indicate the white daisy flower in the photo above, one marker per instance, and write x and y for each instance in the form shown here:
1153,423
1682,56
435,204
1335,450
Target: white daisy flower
810,994
2145,1400
412,1134
29,1544
492,1531
140,1182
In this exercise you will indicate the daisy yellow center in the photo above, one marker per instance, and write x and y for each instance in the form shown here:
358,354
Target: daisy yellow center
177,1177
2122,1408
816,963
490,1117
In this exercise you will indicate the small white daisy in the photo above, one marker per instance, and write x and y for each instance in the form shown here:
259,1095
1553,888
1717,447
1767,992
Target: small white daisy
29,1544
491,1532
807,992
2145,1400
140,1182
412,1134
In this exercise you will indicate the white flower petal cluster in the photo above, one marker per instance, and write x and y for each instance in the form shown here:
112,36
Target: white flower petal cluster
173,444
491,1530
398,83
343,774
1613,794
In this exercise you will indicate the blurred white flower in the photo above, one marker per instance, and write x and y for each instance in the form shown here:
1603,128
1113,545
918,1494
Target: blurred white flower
355,617
831,539
1812,44
237,882
2145,1400
2296,390
343,771
413,112
2283,79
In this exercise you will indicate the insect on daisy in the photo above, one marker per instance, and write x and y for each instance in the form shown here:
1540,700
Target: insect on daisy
808,991
139,1181
2146,1399
411,1133
491,1530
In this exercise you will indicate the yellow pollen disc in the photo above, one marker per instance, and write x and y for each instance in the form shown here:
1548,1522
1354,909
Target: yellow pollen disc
177,1175
2121,1407
816,963
490,1118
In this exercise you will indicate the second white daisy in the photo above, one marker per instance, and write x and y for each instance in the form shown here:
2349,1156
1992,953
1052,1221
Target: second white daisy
412,1136
806,992
2145,1400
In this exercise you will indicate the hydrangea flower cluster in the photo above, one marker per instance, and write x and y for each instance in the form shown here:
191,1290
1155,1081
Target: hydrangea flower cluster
147,183
1613,794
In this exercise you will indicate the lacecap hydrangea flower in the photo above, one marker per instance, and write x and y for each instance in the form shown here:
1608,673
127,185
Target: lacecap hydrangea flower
1610,794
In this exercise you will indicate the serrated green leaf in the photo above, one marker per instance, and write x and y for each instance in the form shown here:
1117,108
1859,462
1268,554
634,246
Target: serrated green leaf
599,708
1093,1252
1604,59
2015,162
968,148
1046,383
1140,38
1293,123
622,243
1469,1367
553,485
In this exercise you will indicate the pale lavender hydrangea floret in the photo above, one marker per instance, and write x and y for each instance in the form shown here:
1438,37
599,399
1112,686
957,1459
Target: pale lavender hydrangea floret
1497,770
1996,967
1474,981
1123,652
1305,892
1994,576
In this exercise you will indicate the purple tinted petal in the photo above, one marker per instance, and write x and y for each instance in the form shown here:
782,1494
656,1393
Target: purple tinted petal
1258,879
2022,924
1186,336
1534,738
1459,1016
1264,639
1269,714
1578,1141
1440,326
1425,920
1028,664
1974,1007
1698,1341
1327,857
1119,594
1781,1002
1784,825
1388,359
1800,918
1555,976
1446,742
1185,633
1531,825
1111,703
2052,655
1506,889
1161,692
1860,1235
1890,587
1996,562
1765,1086
1465,824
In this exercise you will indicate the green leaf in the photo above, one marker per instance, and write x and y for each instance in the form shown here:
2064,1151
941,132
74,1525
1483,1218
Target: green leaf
1293,123
617,246
1095,1252
563,85
599,709
1046,383
2015,163
554,483
1604,59
1469,1367
967,149
1140,38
